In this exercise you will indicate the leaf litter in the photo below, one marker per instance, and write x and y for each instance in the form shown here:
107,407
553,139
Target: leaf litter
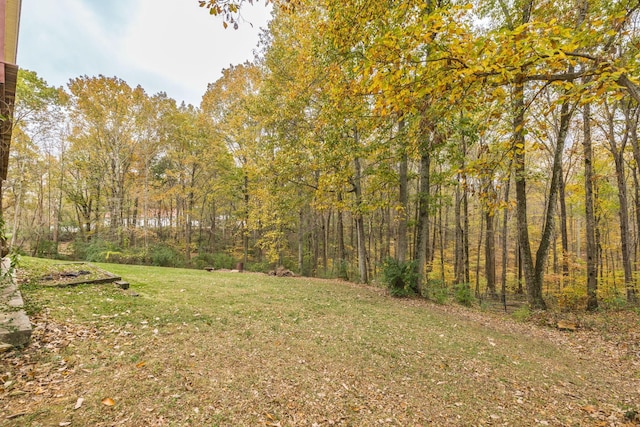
466,368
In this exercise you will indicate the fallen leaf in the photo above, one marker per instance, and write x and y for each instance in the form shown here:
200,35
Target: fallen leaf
79,403
140,365
107,401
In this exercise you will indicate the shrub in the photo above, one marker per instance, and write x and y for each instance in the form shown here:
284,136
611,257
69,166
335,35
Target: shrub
438,291
202,260
165,256
522,314
94,250
47,248
462,294
400,277
223,260
217,260
259,267
343,269
572,297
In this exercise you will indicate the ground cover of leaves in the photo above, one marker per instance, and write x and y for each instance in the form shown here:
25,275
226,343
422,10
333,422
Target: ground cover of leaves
231,349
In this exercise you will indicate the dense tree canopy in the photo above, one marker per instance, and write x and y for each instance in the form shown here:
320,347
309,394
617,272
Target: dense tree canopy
485,146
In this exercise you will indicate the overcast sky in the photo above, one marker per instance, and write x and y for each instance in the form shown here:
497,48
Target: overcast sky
172,46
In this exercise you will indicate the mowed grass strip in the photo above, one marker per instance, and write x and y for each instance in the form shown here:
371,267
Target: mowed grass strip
229,349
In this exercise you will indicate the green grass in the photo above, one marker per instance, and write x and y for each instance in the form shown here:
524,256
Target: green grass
199,348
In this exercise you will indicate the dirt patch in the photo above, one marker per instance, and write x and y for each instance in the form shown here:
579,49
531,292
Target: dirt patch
76,274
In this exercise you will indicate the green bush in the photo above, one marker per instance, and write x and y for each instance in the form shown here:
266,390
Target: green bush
223,260
462,294
217,260
343,269
400,277
47,248
522,314
94,250
438,291
259,267
202,260
165,256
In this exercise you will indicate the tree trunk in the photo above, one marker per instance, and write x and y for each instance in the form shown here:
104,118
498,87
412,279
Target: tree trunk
592,268
212,228
245,227
505,253
325,242
566,112
564,235
462,270
624,226
459,276
17,208
465,217
617,152
187,224
362,251
422,229
441,228
490,255
477,292
636,208
534,287
631,117
342,261
300,243
403,198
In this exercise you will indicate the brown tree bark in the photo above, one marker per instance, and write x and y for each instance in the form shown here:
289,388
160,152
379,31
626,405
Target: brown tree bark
592,267
403,199
342,260
505,253
422,228
617,151
360,234
534,287
490,254
564,235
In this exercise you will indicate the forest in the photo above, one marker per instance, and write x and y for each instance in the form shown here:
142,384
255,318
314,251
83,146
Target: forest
487,147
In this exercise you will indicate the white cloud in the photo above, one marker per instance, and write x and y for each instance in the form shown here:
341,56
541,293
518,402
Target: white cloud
163,45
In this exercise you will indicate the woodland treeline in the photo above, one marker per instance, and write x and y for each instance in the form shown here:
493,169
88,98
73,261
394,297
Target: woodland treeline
488,145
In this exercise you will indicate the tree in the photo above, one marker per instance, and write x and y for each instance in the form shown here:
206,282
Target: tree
227,104
106,116
39,142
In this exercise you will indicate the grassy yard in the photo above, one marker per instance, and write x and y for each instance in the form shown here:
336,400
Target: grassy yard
242,349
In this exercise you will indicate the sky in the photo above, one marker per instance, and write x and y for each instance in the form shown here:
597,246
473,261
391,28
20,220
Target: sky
170,46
